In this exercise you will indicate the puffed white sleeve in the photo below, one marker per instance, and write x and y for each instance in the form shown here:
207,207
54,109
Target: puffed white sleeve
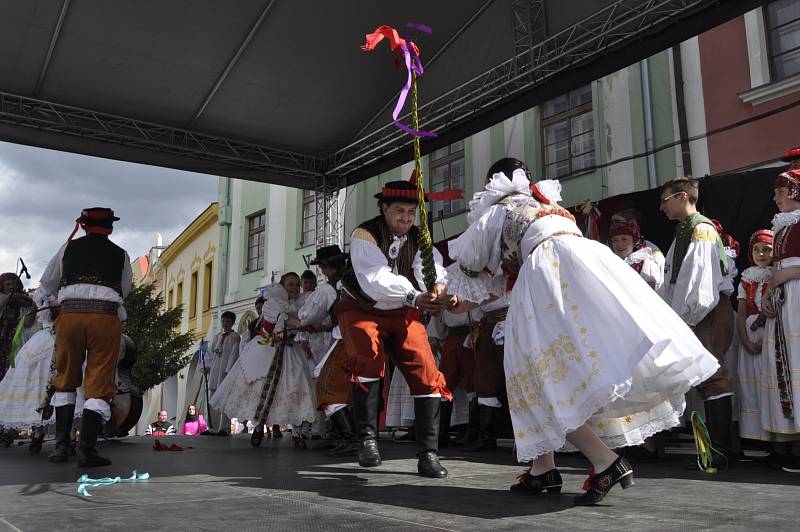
51,278
477,249
375,278
652,272
700,277
441,273
274,312
315,310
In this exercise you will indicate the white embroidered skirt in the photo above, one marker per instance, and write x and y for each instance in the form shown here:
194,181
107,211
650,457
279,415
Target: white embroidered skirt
239,396
588,341
25,385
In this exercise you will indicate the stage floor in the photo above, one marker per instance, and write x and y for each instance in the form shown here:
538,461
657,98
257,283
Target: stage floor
225,484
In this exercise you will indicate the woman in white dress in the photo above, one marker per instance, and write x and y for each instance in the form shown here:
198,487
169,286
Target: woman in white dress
750,323
24,398
270,383
780,354
593,357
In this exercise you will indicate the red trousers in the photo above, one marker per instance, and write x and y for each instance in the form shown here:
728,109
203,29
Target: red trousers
333,385
458,362
371,335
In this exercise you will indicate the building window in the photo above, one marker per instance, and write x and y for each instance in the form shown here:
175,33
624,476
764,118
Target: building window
255,241
170,299
568,133
783,36
193,296
447,173
179,295
207,284
309,229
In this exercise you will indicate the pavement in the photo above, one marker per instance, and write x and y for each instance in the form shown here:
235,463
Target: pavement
223,483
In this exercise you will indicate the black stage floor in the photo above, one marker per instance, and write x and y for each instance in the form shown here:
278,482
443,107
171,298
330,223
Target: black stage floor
225,484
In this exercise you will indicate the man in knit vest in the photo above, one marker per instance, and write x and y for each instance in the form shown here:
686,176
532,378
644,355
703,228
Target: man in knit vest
698,288
90,276
379,311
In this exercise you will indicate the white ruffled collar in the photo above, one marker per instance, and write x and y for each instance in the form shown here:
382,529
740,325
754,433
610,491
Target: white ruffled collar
785,219
496,189
757,274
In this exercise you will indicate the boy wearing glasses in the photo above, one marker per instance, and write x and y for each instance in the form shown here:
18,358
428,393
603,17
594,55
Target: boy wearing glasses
698,288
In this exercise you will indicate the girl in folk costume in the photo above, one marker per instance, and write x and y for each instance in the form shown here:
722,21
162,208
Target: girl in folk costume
594,359
270,382
780,353
627,244
14,302
750,322
23,391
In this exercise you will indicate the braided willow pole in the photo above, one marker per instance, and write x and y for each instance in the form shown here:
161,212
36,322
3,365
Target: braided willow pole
425,241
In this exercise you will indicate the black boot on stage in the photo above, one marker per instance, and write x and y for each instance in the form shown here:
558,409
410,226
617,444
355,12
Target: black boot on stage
365,412
64,416
348,445
426,412
487,439
257,437
445,414
534,484
719,421
37,439
473,426
598,485
90,426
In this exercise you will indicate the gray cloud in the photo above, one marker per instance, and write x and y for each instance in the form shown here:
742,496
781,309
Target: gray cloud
43,191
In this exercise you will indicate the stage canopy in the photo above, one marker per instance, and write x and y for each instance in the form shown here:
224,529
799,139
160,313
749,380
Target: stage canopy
279,91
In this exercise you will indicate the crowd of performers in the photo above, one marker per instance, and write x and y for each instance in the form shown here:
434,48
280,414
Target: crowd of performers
587,346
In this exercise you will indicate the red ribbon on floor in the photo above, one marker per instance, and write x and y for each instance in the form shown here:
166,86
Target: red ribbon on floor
158,446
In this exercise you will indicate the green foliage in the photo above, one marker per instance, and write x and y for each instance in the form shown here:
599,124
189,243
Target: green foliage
162,350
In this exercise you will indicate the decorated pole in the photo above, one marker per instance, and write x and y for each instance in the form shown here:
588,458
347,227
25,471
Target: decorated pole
410,56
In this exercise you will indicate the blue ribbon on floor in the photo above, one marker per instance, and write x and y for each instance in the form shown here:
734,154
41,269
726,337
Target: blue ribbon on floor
86,482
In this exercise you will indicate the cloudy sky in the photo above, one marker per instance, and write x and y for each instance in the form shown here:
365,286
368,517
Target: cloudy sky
43,191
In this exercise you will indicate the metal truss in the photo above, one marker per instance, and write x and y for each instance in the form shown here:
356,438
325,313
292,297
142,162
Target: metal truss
617,23
326,199
537,59
63,119
529,28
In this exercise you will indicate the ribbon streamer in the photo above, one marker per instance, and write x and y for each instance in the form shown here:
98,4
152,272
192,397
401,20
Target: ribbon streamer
703,445
413,65
86,482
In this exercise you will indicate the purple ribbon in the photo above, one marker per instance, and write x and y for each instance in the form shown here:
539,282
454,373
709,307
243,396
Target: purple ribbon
413,65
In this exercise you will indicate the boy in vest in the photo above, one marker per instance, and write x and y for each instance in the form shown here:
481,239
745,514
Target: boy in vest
698,288
90,276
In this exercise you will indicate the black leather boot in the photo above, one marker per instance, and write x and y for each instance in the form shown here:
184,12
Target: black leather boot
90,427
471,434
486,440
445,414
64,416
426,412
365,412
719,420
348,445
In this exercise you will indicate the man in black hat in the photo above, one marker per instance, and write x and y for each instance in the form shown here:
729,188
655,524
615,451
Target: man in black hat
382,300
331,388
90,276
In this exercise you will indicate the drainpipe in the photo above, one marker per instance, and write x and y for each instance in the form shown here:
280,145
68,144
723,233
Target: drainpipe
224,245
647,104
680,104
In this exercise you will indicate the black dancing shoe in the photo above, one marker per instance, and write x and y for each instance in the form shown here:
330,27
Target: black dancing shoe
429,466
276,431
299,442
598,485
528,484
35,446
368,454
256,438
